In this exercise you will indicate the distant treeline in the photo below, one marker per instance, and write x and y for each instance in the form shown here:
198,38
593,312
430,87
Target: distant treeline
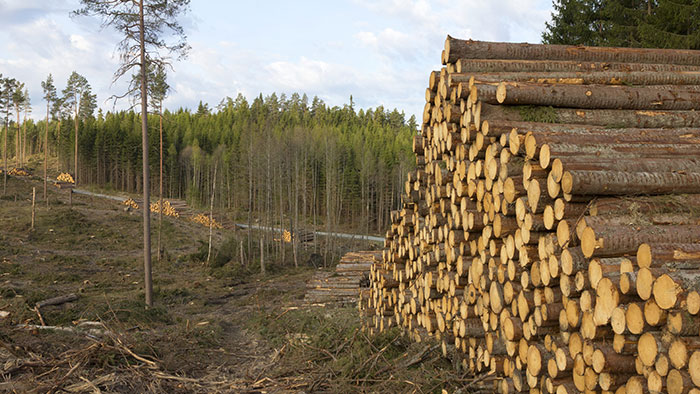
275,159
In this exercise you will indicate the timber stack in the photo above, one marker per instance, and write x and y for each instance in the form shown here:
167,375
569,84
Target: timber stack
550,234
340,286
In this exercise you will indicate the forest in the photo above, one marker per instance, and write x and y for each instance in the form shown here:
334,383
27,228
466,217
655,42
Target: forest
272,159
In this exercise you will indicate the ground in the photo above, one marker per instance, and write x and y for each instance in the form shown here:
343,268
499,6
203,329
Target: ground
222,327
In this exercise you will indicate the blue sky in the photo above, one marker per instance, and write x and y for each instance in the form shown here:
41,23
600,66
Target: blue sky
380,52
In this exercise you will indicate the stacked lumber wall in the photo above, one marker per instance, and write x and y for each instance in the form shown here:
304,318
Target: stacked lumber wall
550,235
341,286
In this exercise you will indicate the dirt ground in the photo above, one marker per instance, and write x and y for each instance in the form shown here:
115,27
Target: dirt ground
218,328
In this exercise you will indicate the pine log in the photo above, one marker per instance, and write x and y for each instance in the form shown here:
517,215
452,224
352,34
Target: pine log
665,254
660,97
524,66
469,49
678,382
597,117
639,78
582,182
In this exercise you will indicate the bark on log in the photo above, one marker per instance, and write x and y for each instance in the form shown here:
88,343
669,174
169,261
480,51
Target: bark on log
638,78
610,240
659,97
57,300
469,49
583,182
524,66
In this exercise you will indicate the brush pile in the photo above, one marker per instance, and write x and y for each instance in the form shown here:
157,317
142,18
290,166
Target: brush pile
550,234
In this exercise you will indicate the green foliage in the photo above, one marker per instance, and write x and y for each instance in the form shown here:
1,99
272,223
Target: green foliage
625,23
281,145
573,23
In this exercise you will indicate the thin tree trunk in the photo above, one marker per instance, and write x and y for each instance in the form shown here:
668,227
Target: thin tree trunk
262,257
250,193
24,139
46,153
295,228
58,146
148,280
4,159
160,198
18,139
211,212
76,145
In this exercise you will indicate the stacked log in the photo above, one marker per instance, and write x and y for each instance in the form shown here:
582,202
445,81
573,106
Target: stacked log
550,234
340,287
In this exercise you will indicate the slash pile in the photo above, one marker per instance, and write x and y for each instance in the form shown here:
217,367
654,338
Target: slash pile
550,235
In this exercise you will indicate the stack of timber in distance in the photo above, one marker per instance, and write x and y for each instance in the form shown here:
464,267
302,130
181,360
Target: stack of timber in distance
342,286
550,234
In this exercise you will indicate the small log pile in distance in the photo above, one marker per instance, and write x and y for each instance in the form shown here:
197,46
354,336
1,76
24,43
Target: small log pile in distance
550,235
340,287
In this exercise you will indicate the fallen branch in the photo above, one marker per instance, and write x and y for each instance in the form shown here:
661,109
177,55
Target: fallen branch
57,300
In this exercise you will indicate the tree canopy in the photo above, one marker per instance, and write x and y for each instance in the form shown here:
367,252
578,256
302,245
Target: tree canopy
625,23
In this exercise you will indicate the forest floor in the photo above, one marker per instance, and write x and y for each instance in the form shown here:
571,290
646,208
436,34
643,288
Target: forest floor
223,327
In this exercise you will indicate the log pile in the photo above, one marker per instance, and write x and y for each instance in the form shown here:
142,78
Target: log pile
341,286
550,234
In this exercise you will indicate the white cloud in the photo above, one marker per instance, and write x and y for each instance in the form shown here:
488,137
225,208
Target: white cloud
383,59
79,42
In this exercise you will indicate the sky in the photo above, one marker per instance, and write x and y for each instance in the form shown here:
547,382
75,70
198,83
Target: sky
379,51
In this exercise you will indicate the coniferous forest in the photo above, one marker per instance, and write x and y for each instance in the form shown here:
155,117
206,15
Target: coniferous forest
272,158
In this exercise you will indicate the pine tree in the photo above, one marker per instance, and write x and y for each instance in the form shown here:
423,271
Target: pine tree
574,22
143,24
50,97
73,97
672,24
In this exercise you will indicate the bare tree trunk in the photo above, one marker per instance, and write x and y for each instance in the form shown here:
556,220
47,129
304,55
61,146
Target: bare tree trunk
77,119
46,152
4,159
262,257
211,211
250,192
160,199
33,205
295,228
58,146
148,280
328,205
18,138
24,139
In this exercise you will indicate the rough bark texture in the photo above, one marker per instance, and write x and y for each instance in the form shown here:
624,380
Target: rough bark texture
470,49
